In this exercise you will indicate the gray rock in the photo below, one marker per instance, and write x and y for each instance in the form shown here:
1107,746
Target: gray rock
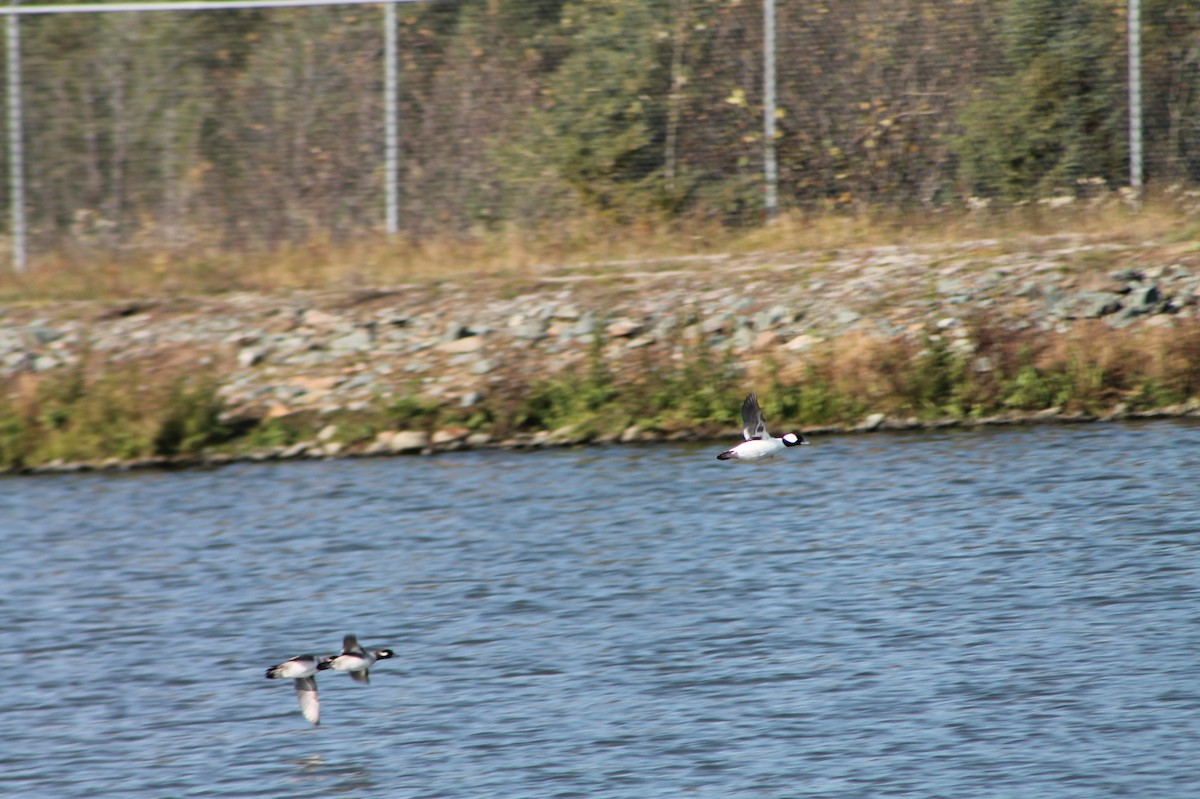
1124,317
530,329
743,338
950,285
296,450
1144,298
991,280
449,435
774,316
801,342
394,319
314,318
405,441
458,346
623,328
360,339
244,339
11,340
872,422
45,335
1054,296
584,328
454,331
1093,305
845,316
251,356
358,381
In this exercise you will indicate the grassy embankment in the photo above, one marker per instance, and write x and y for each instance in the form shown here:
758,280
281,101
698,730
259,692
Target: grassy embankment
101,410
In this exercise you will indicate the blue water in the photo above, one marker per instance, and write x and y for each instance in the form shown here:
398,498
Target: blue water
996,613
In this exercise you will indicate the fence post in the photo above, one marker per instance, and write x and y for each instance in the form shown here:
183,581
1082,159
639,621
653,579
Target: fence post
391,134
16,156
770,172
1135,96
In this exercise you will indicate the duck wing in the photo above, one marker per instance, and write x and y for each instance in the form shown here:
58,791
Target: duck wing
754,427
310,704
361,676
351,646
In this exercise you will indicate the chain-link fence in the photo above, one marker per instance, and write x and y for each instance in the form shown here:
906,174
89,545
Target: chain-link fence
238,128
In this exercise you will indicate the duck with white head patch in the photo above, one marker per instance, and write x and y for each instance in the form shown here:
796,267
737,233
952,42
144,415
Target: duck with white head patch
302,670
355,660
759,445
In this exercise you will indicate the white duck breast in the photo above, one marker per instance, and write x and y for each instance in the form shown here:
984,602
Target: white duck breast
758,445
355,660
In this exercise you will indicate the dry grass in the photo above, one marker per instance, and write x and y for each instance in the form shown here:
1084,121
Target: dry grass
1091,369
92,272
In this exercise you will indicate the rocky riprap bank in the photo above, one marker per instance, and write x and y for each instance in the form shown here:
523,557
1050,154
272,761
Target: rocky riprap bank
456,341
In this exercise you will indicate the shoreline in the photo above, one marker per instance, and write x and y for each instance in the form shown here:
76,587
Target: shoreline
314,451
1062,329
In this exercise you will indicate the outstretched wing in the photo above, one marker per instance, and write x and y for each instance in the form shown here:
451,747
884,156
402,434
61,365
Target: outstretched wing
753,425
361,676
310,705
350,646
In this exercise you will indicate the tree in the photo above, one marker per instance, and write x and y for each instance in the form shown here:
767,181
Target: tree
1056,117
601,120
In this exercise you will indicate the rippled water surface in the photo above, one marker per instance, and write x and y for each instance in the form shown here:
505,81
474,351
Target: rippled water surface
1004,613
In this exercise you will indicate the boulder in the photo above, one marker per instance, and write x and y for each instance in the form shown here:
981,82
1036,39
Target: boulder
251,356
405,441
1094,304
359,339
623,328
1143,298
461,345
449,435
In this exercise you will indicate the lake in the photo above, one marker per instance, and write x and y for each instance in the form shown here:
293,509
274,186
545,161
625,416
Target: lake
1008,612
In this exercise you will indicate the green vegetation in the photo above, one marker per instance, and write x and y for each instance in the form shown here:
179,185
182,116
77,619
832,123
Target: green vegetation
698,392
1055,118
100,411
123,411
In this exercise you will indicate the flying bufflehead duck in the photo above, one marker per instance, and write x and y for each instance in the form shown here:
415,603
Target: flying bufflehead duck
355,660
759,444
302,670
